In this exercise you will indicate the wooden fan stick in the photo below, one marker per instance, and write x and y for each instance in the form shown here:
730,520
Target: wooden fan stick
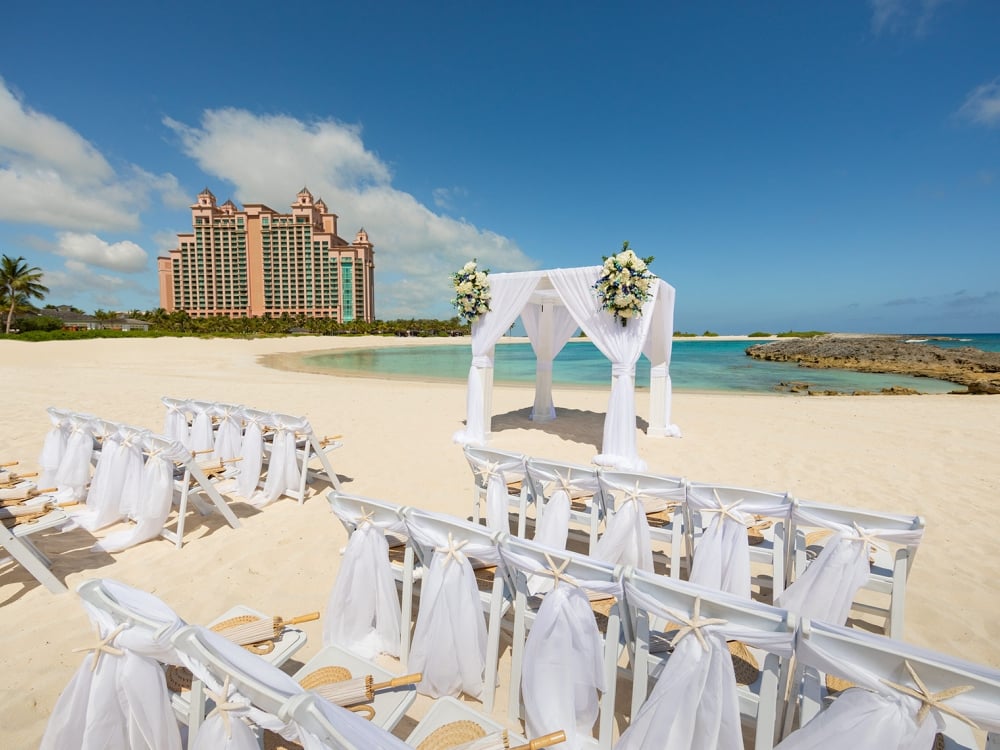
280,623
9,463
408,679
546,740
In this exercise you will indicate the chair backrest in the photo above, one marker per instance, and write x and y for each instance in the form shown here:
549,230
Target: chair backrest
112,597
336,727
653,490
480,457
542,473
348,507
441,526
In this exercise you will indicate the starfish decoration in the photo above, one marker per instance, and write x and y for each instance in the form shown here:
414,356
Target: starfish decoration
488,470
565,483
693,624
929,700
103,646
367,516
223,706
866,536
725,511
452,551
556,571
633,495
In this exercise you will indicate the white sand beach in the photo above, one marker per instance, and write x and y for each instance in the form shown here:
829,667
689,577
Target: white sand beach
931,455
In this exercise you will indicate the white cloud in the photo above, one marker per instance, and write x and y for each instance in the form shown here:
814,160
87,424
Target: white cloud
269,158
77,281
982,105
52,176
904,16
445,197
118,256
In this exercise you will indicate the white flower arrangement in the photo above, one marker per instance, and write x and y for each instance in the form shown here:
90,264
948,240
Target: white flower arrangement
472,291
624,284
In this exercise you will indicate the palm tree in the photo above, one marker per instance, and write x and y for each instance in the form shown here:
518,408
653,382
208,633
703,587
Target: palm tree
19,283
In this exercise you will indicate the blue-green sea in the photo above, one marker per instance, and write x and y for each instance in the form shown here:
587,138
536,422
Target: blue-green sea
702,365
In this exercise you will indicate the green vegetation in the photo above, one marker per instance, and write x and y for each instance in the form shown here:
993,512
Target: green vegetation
801,334
709,333
683,335
759,335
19,284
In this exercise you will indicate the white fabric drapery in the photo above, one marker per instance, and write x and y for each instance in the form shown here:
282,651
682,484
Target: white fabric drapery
116,484
563,654
54,446
73,473
120,702
722,555
202,432
658,347
175,421
509,293
826,590
694,704
494,474
879,717
558,486
253,452
363,612
449,639
549,326
283,472
155,497
229,432
626,539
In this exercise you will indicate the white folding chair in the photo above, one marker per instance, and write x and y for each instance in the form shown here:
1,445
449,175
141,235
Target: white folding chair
641,508
565,490
570,651
663,612
878,548
739,534
353,510
444,545
506,469
906,691
17,543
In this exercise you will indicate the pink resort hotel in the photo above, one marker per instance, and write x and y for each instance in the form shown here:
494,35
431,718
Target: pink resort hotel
256,261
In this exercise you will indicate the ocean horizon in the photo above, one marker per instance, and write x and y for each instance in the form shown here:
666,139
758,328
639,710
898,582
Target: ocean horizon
696,365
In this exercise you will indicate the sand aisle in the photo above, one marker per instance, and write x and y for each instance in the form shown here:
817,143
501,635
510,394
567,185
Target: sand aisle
932,455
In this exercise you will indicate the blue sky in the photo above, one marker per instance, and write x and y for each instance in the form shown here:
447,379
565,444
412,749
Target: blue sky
791,165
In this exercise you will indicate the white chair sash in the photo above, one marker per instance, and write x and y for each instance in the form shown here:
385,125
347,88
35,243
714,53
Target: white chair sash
283,472
363,612
722,555
74,467
175,422
229,434
54,446
253,453
695,704
626,539
827,588
202,431
495,474
120,701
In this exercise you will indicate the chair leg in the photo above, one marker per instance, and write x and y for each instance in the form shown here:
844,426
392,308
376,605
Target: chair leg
517,654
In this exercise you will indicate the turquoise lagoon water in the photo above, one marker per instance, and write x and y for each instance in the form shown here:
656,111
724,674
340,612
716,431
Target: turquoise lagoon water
695,366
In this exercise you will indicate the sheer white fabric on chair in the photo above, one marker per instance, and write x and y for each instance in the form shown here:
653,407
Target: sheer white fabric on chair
657,348
175,421
696,703
116,485
283,470
54,445
620,344
555,485
907,694
73,473
118,700
249,469
452,645
229,432
627,539
493,474
509,293
825,588
562,667
156,494
363,613
202,430
722,552
323,726
549,326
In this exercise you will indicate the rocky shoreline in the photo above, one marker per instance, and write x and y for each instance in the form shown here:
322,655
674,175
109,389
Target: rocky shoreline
975,369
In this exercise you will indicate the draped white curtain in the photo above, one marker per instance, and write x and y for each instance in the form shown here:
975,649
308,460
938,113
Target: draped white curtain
563,655
155,496
363,612
494,474
120,702
549,326
54,446
509,293
826,590
202,431
620,344
73,473
558,486
283,471
229,434
449,640
879,717
626,539
657,348
175,421
694,704
116,484
253,452
722,554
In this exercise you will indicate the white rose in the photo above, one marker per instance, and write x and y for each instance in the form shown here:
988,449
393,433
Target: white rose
626,313
469,267
480,278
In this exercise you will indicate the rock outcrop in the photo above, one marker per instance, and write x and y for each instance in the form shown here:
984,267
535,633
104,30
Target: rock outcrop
975,369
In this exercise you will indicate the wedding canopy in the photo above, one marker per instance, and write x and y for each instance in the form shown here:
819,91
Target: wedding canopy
552,305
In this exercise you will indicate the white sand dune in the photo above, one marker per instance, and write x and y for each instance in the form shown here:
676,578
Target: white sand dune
932,455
